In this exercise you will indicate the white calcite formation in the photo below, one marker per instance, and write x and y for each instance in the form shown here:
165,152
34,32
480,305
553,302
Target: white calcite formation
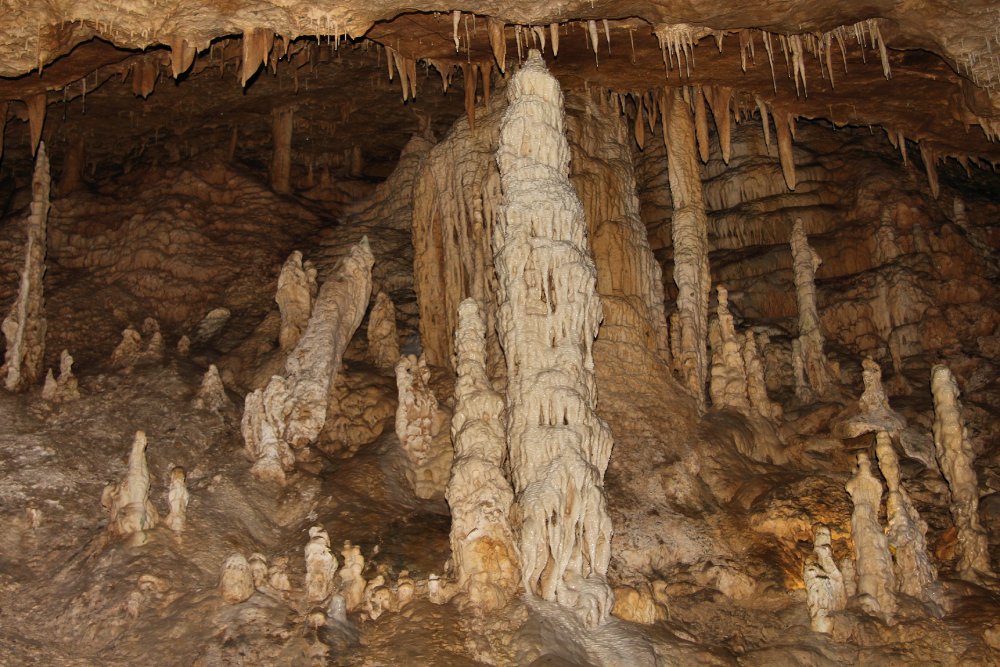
549,314
728,386
24,327
290,411
294,296
212,393
383,341
825,589
65,387
872,414
352,582
422,429
479,495
906,531
236,582
177,500
132,512
814,364
955,457
321,566
875,577
689,227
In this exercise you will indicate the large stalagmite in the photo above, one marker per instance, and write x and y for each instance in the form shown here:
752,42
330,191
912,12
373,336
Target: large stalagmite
480,497
876,580
689,227
290,411
805,261
25,325
955,456
549,315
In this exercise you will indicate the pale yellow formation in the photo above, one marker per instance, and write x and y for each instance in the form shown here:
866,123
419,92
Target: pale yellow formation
955,457
876,579
24,327
422,429
352,581
549,314
383,340
132,512
479,495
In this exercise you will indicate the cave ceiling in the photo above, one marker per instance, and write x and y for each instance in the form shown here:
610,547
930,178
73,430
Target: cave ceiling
923,71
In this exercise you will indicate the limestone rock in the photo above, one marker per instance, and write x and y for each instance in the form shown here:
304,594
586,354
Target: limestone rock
549,314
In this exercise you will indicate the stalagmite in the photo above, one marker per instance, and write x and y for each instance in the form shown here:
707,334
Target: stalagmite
824,582
422,429
212,393
132,512
955,457
479,495
37,106
549,314
719,98
873,414
294,296
258,570
876,580
383,340
177,500
24,327
352,583
321,566
291,410
236,582
906,531
282,122
690,237
782,121
805,261
728,386
129,349
66,387
756,382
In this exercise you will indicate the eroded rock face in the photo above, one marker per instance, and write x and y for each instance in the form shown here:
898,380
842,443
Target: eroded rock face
549,314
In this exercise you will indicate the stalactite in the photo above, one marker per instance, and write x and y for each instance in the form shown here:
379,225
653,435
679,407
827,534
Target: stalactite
549,314
782,127
719,98
690,238
765,123
498,42
929,157
257,43
37,106
701,125
479,495
554,32
25,326
182,55
955,457
805,261
281,155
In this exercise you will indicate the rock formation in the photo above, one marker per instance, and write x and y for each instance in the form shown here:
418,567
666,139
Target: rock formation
421,426
65,388
810,354
132,512
177,500
876,580
212,393
955,457
873,414
352,581
690,237
383,341
295,294
549,314
291,410
321,566
906,531
24,327
729,385
236,582
756,381
825,589
479,495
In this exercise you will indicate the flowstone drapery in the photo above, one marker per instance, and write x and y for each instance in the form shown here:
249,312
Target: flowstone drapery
549,314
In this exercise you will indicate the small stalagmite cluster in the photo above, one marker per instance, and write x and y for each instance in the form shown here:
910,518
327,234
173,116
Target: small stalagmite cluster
549,314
